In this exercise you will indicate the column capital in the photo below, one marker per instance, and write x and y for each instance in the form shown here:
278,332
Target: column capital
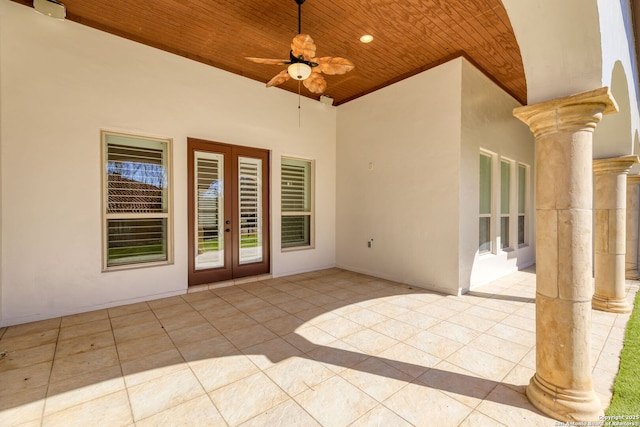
580,112
633,179
620,164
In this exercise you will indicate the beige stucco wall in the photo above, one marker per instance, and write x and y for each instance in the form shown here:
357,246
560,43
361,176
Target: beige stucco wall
488,123
406,201
60,84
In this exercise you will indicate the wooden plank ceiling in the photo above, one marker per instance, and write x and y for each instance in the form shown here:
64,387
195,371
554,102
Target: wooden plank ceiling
410,36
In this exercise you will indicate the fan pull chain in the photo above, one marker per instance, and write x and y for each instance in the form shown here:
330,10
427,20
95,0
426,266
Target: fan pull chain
299,115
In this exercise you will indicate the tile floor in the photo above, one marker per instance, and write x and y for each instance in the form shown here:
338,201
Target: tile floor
330,348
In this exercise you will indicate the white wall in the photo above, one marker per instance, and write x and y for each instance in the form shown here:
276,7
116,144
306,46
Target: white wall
60,84
410,133
488,123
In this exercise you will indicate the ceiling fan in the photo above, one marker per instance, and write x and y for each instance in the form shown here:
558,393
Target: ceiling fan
303,64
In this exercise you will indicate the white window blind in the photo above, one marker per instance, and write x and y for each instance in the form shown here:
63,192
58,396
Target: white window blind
250,209
136,217
209,210
297,217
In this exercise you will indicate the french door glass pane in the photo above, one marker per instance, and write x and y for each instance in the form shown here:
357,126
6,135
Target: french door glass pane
485,235
136,240
250,209
521,229
504,232
296,231
505,186
522,176
209,209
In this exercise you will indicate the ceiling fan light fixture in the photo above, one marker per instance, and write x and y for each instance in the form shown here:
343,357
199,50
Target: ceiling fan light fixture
299,71
52,8
367,38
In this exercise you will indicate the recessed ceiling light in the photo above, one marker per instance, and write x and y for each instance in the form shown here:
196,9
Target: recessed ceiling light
367,38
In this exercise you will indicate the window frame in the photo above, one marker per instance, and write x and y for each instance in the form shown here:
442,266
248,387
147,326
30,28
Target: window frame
168,215
492,203
310,213
527,203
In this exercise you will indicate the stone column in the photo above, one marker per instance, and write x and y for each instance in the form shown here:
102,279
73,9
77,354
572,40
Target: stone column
562,385
633,224
610,229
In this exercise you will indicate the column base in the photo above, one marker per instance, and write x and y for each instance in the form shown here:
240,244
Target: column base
618,305
564,405
632,274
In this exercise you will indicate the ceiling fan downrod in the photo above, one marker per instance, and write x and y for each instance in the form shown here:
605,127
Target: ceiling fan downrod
299,2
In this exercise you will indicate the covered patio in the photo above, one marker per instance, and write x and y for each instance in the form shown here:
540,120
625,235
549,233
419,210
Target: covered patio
331,348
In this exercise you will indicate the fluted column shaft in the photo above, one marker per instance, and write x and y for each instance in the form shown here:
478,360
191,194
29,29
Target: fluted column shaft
562,385
633,223
610,232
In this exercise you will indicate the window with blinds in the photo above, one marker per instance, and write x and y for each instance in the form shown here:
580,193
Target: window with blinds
484,244
297,204
136,200
250,209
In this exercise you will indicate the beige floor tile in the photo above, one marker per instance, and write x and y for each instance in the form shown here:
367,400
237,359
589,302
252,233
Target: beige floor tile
308,337
217,372
487,313
298,374
233,322
83,388
267,313
476,419
380,416
335,402
28,340
418,319
162,393
481,363
283,325
112,407
376,378
512,408
388,309
249,336
183,320
505,349
82,363
439,311
165,302
128,309
473,322
135,332
369,341
31,328
269,353
26,378
134,319
180,307
77,319
513,334
83,329
436,345
26,357
458,383
339,327
337,356
455,332
518,378
296,306
85,343
396,329
244,399
409,359
193,334
196,412
421,405
217,346
520,323
153,366
365,317
287,413
22,406
210,303
136,349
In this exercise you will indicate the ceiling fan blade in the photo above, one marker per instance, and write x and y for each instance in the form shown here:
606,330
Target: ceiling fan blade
279,78
268,60
315,83
334,65
303,45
